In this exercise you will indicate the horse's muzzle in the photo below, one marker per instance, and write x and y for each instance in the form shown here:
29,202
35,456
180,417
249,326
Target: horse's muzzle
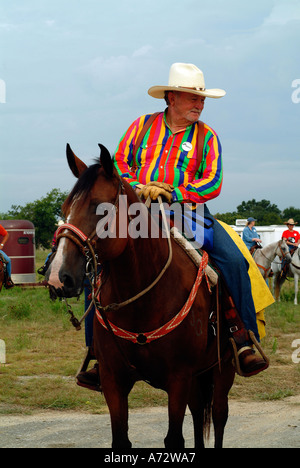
63,284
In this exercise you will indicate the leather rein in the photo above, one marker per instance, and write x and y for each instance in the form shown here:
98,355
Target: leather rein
85,245
267,270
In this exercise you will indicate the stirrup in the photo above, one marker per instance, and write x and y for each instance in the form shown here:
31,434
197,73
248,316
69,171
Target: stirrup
86,360
237,352
89,356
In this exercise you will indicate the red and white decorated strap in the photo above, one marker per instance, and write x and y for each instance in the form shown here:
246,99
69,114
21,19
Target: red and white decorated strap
145,338
72,228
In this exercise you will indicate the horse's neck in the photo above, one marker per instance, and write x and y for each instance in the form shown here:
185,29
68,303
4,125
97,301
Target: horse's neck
296,257
269,252
138,266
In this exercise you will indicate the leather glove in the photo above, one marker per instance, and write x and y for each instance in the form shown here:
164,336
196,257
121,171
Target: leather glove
163,185
153,191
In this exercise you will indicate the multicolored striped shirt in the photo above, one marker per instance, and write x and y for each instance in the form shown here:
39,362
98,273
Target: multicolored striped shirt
172,158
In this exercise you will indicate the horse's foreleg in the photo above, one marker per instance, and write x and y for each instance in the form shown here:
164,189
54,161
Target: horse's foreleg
222,384
178,394
116,396
276,287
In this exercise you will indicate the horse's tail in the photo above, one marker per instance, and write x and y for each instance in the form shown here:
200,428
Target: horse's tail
207,392
201,398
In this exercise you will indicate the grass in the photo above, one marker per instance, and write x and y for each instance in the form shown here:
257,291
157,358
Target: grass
44,351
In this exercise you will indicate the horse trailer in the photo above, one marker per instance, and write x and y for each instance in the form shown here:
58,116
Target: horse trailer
20,247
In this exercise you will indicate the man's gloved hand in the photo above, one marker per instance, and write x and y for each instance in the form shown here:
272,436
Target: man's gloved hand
156,189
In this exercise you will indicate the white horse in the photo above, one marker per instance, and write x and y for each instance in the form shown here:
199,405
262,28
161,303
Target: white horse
265,256
293,272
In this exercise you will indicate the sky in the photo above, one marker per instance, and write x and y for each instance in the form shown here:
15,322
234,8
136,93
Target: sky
78,71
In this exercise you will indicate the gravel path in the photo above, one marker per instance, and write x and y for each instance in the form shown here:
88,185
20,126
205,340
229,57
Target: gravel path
251,425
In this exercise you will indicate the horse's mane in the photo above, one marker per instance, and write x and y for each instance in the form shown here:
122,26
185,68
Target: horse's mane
82,186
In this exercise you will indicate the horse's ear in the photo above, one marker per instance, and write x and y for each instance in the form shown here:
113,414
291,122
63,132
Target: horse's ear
76,165
106,160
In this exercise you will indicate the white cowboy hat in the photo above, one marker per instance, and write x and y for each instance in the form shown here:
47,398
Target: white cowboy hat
187,78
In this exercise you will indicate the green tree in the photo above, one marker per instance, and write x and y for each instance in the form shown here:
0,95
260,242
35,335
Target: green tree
264,211
43,213
291,212
228,218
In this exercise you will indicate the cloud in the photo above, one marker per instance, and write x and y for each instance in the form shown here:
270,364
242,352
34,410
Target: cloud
283,13
142,51
79,72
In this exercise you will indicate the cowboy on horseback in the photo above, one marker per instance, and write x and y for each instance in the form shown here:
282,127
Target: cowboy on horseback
292,239
291,236
8,281
167,162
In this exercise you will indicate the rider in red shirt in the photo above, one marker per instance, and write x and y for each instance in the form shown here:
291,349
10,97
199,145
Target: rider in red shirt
291,236
292,239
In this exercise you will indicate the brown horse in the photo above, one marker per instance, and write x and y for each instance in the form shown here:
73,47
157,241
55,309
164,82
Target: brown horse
183,362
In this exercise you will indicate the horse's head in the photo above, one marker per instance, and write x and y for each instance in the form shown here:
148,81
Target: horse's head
77,241
283,250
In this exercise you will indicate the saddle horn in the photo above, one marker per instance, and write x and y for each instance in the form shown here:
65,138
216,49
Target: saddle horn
106,160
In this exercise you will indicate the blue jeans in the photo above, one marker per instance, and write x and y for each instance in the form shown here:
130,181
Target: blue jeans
234,268
8,260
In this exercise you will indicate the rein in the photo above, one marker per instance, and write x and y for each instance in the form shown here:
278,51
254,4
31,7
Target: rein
266,270
145,338
115,306
84,244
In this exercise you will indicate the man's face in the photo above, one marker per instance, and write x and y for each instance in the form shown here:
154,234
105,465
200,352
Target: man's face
186,106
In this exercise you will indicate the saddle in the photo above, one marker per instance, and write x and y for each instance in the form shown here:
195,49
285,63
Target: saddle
254,248
195,255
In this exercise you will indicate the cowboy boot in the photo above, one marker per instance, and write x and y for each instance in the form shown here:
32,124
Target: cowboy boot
9,283
89,379
248,362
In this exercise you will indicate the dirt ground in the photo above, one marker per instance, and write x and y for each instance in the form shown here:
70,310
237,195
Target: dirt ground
274,424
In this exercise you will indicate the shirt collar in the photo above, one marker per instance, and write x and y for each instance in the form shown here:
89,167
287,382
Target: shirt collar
189,127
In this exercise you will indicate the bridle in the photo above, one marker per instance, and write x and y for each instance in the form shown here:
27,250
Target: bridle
86,244
267,270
